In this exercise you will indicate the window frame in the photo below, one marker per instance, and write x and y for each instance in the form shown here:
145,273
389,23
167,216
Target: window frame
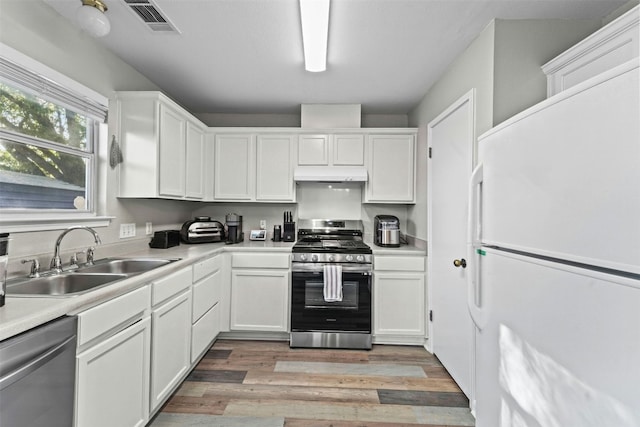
26,220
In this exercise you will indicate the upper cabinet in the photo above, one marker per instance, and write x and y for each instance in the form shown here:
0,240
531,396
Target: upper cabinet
254,167
391,163
612,45
331,150
162,146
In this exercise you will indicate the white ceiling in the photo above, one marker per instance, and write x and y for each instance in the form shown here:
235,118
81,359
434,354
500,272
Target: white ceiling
245,56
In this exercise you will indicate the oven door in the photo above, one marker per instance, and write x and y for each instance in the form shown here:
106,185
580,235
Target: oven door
309,310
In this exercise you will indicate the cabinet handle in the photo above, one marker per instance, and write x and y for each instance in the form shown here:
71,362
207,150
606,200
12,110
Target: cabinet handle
460,263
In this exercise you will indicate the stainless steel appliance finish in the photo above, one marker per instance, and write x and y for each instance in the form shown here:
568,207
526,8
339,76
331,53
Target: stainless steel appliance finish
4,260
316,322
233,227
387,231
202,229
37,376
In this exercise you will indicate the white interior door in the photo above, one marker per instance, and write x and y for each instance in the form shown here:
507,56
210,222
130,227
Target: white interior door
451,140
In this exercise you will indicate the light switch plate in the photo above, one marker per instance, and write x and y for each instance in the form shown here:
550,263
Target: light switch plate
127,230
148,228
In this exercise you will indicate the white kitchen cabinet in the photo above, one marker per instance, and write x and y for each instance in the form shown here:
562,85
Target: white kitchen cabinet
195,161
331,149
275,156
612,45
260,292
234,167
399,300
161,146
171,334
112,369
208,283
391,163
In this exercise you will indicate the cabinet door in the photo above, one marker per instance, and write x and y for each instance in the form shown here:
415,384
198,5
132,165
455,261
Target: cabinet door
399,304
348,150
194,173
171,346
274,158
172,152
313,150
391,164
234,167
260,300
113,380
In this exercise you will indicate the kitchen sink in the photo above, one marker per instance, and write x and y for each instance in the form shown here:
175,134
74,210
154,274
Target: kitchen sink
84,278
66,284
127,266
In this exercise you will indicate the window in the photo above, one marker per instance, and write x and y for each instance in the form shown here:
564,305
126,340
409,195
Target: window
48,147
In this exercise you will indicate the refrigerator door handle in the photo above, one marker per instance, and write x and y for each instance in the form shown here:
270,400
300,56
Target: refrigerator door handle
478,313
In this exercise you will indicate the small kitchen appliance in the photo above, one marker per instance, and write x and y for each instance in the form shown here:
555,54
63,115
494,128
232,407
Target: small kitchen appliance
277,233
202,229
387,229
4,260
330,254
165,239
233,227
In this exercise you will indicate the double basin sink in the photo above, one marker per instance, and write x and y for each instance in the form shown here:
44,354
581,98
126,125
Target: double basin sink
84,278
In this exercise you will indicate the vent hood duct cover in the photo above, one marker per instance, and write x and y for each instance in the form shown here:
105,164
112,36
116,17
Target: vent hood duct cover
330,174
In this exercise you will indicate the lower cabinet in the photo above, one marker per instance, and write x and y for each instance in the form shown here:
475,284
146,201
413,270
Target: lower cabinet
399,300
171,334
112,378
260,295
208,284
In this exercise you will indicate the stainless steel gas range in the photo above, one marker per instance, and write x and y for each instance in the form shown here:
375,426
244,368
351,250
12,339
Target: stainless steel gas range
331,286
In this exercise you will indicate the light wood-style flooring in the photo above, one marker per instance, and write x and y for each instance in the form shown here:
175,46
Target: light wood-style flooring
266,383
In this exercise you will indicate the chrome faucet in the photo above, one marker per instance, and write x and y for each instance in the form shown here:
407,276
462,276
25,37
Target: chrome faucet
56,262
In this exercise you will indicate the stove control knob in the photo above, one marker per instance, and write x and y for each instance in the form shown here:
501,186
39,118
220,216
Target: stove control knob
303,257
332,258
360,258
349,258
314,258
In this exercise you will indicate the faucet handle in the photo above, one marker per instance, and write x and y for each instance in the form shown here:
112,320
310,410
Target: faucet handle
35,267
90,253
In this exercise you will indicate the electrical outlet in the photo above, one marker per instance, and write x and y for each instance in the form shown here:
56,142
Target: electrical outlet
127,230
263,224
149,228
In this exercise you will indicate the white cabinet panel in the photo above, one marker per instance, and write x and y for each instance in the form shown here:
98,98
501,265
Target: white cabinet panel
234,167
313,150
171,346
113,380
348,150
195,161
260,300
274,166
172,152
207,292
391,164
204,331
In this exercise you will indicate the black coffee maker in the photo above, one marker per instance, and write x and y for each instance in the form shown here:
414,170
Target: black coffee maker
233,228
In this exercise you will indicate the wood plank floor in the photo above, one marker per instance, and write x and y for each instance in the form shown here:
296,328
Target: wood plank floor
266,383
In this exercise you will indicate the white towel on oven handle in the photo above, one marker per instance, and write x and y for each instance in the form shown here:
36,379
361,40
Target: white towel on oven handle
332,283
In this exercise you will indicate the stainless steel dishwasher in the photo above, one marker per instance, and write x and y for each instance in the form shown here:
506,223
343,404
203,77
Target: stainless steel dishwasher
37,376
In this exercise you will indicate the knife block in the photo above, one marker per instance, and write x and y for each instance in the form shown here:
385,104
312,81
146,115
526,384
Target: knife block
289,232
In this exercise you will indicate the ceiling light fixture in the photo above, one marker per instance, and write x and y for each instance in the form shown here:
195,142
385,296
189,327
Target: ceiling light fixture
91,18
314,16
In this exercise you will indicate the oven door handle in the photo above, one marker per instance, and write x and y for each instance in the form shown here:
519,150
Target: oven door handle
319,270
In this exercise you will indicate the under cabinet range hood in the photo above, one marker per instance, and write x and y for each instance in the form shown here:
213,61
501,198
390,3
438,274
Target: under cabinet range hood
330,174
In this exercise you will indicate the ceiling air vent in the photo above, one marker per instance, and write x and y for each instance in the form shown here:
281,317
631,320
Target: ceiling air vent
151,15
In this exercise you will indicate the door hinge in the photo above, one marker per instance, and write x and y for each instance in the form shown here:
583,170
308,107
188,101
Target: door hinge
429,152
430,315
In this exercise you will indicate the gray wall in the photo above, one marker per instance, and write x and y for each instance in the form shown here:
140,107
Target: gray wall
503,65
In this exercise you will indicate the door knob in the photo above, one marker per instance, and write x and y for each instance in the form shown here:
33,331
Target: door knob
460,263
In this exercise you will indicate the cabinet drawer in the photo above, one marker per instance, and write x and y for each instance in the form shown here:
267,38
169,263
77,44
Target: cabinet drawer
206,293
398,263
206,267
172,284
247,260
204,331
107,316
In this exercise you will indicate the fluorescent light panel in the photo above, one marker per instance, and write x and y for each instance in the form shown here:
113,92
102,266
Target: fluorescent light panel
314,16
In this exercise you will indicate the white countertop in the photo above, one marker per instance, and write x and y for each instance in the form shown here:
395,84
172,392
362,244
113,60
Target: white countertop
22,313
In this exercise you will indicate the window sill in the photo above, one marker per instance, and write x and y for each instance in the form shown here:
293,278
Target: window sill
22,224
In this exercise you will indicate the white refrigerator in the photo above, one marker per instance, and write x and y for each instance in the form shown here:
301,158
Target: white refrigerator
554,252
